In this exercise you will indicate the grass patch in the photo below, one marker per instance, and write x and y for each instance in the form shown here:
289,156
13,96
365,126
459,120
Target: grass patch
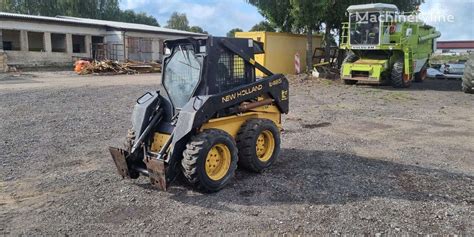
440,59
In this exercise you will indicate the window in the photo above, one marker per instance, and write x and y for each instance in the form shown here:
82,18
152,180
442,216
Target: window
36,41
78,44
230,71
364,28
58,43
98,48
181,75
11,40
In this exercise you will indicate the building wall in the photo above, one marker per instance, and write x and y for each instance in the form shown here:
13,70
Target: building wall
38,44
155,40
34,48
3,62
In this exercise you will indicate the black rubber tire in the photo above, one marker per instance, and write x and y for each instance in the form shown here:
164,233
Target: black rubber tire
466,89
420,76
194,158
350,58
246,140
396,76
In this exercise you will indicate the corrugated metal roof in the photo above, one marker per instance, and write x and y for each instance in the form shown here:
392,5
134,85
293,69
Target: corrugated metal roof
94,22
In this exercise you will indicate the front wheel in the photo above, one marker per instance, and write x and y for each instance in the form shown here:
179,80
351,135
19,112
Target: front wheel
350,58
421,75
210,160
397,77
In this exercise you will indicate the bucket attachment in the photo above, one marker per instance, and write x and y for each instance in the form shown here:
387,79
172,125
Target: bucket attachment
155,168
156,171
119,157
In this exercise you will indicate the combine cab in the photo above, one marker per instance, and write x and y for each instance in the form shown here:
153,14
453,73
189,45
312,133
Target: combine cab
385,47
212,115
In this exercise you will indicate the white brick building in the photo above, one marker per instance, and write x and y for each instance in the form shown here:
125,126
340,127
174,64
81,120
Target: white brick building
36,41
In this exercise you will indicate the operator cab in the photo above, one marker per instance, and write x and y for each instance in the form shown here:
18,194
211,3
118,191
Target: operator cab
365,22
187,72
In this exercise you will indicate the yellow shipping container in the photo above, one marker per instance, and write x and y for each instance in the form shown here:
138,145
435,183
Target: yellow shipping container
280,50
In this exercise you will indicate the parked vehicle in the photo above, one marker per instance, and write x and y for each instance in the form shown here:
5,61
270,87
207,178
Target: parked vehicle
382,50
453,68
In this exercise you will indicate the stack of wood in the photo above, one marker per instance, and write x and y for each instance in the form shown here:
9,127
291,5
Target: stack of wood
149,67
106,67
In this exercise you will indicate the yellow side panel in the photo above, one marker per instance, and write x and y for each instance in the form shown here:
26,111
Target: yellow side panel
232,124
159,140
280,50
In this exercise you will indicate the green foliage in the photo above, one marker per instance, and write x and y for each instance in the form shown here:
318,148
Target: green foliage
141,18
178,21
94,9
307,14
197,29
263,26
231,33
277,12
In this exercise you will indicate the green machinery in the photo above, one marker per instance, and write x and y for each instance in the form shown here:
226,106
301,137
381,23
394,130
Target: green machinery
385,46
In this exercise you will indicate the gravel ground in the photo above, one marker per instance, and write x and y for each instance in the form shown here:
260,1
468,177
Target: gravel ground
355,159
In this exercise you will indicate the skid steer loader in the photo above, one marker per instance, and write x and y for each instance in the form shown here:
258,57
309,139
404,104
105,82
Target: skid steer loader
212,115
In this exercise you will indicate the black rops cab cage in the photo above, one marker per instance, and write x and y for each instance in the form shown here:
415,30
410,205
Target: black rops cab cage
232,69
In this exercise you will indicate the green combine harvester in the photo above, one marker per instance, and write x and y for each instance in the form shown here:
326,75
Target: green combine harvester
384,46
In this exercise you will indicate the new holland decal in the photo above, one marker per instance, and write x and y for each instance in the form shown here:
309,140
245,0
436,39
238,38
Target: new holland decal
241,93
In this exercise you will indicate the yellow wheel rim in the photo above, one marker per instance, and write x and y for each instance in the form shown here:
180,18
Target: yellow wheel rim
218,162
265,145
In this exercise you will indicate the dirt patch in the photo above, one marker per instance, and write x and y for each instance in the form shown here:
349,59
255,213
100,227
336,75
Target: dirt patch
316,125
354,159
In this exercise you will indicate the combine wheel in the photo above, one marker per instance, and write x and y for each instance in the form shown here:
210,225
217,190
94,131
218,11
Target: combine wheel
209,160
350,58
466,89
397,78
258,142
421,75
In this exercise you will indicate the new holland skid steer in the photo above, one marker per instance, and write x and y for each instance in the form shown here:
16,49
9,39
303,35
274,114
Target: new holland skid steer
385,46
212,115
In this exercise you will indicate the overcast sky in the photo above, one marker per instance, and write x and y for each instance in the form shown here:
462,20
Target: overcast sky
219,16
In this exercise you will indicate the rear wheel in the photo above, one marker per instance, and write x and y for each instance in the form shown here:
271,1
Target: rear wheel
466,89
209,160
350,58
258,142
421,75
396,76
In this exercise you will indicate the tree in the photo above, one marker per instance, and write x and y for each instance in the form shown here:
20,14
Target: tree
139,18
277,12
231,33
263,26
95,9
178,21
197,29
